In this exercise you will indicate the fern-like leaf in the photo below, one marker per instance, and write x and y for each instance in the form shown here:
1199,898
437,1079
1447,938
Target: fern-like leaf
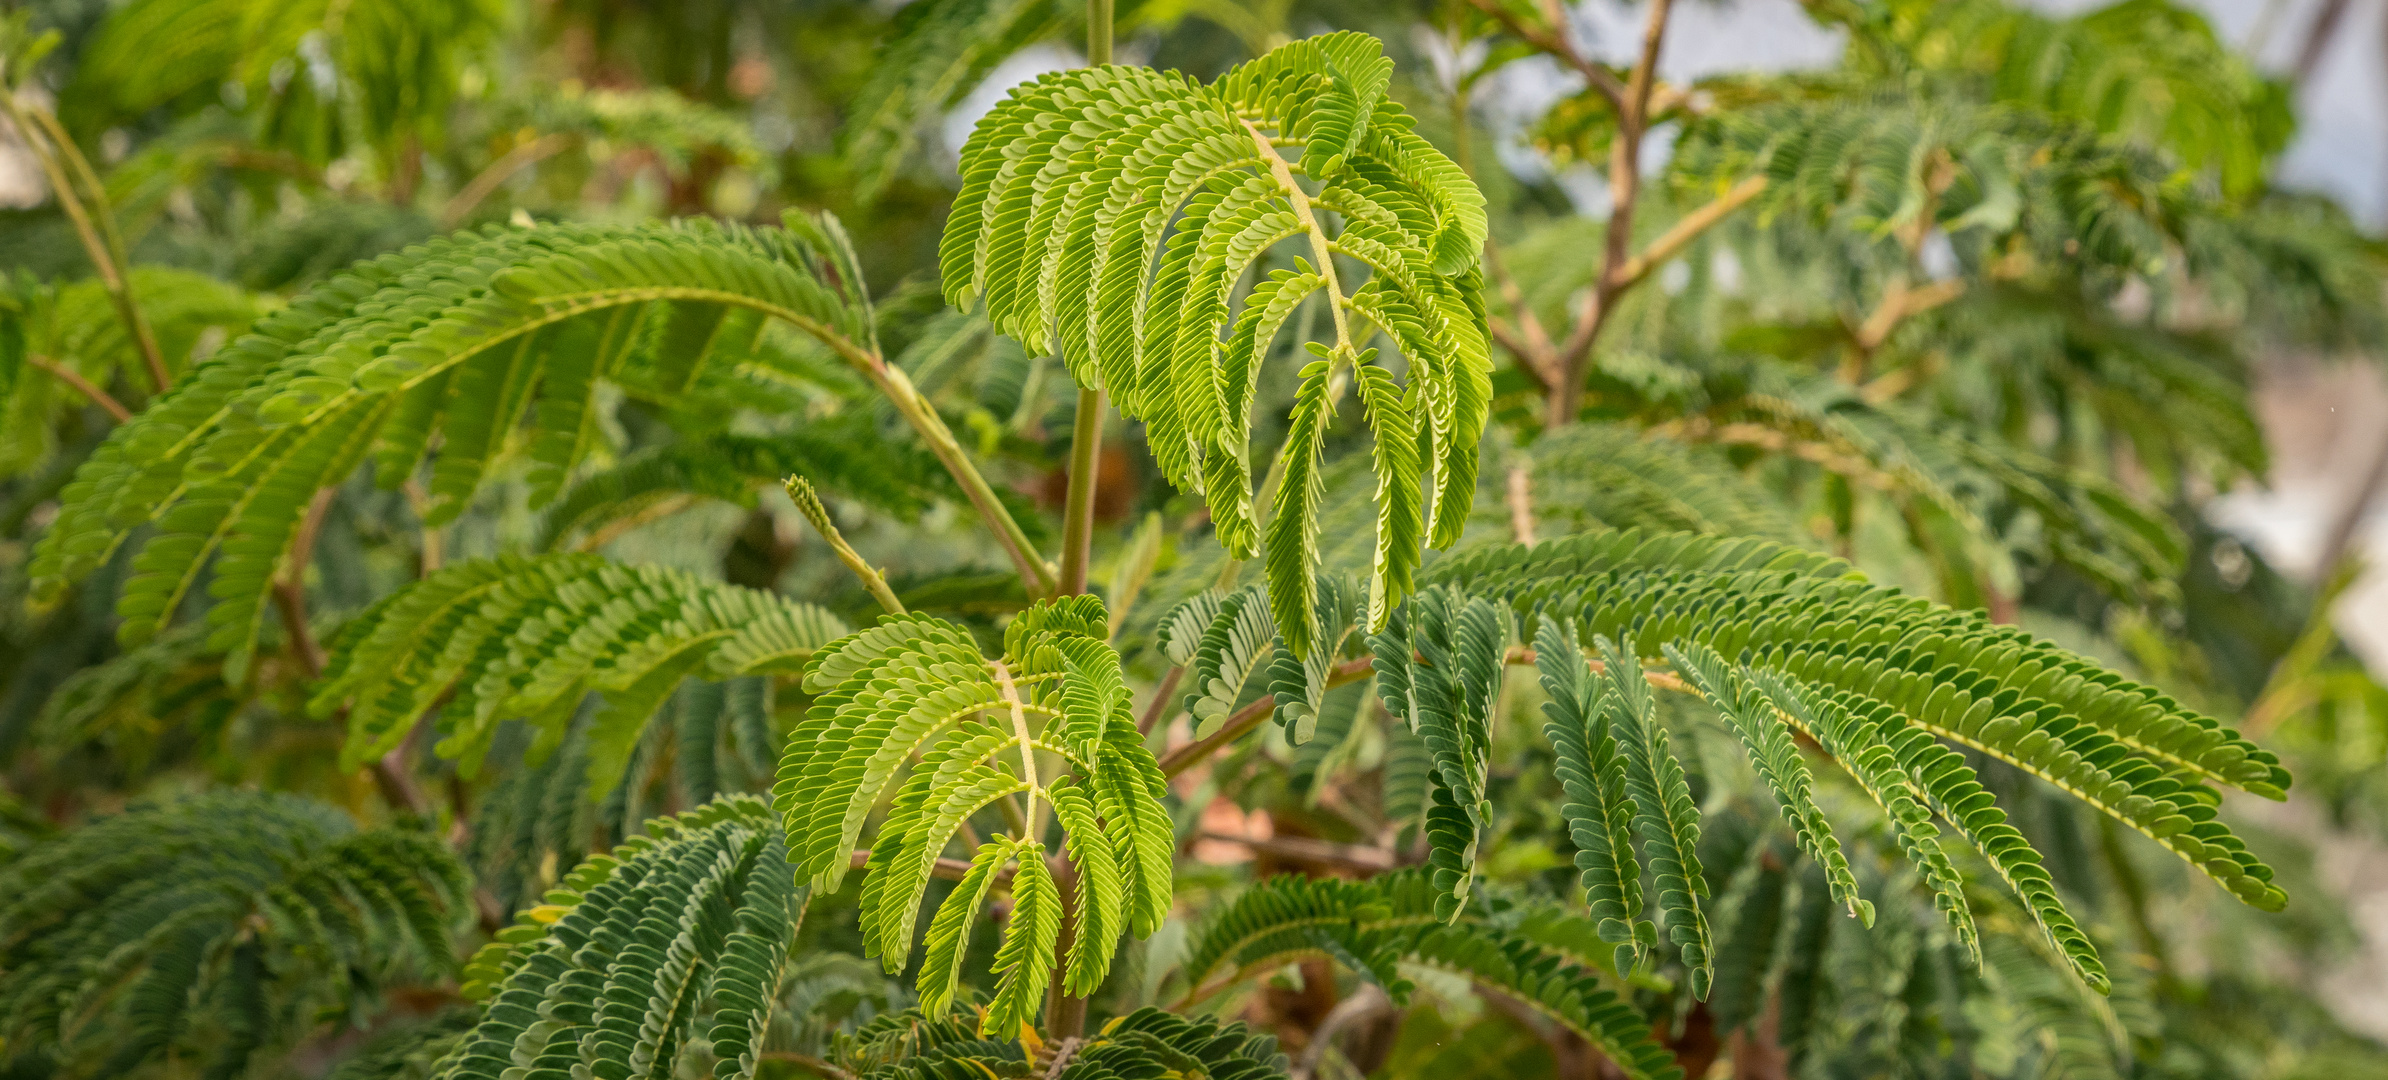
1664,813
911,709
1069,225
1857,744
1599,808
1396,922
180,928
1778,763
528,637
611,974
1446,695
452,337
1878,678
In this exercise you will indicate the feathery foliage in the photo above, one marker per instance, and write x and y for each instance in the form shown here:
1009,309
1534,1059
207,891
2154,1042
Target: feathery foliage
1384,925
372,73
2151,71
936,52
74,327
1875,677
1069,227
634,952
214,929
528,638
911,707
463,336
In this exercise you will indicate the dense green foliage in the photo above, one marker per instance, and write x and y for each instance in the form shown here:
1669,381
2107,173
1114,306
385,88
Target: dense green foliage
528,538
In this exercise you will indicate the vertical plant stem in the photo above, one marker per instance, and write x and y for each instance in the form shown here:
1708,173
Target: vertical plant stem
1065,1015
73,182
923,417
1098,32
1625,180
1086,436
1077,521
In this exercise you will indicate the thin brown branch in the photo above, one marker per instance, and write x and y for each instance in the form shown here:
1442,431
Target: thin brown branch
1900,302
949,869
1625,189
396,781
86,387
497,173
1249,717
290,589
1530,343
1685,230
1364,1003
1164,696
1065,1013
2340,539
1521,505
1554,41
1594,304
53,152
434,542
1645,69
1303,849
118,277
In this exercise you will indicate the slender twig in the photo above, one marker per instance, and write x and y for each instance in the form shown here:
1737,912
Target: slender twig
94,224
1065,1013
1521,505
435,548
390,774
2340,539
1077,518
290,589
1164,696
1365,1002
396,781
808,502
916,411
497,173
1367,860
1530,343
1900,302
1625,186
1245,719
1554,42
654,511
1685,230
75,379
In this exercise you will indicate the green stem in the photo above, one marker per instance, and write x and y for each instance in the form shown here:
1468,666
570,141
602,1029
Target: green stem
809,503
1098,32
1027,741
95,225
917,411
1086,437
1077,520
